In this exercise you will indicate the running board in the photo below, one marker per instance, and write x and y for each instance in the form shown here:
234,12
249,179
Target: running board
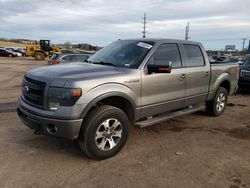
159,119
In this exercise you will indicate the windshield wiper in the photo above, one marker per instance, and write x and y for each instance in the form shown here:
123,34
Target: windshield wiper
105,63
87,61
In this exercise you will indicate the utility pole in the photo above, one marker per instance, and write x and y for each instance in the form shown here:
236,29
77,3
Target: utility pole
144,25
243,45
248,48
187,32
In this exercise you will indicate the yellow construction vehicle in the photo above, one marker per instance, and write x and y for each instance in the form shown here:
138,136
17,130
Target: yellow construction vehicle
42,50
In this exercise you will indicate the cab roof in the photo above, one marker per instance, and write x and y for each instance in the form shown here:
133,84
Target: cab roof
156,40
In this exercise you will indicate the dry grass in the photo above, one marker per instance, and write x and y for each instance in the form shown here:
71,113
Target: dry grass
11,44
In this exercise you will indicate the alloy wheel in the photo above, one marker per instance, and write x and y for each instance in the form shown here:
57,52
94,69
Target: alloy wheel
108,134
221,102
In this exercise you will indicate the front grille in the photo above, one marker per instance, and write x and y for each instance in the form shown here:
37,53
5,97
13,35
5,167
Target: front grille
33,92
245,73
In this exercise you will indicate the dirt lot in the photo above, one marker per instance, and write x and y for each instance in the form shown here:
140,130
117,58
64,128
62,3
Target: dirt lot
190,151
11,73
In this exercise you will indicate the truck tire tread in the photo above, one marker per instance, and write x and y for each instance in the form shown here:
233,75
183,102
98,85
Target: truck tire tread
211,105
87,123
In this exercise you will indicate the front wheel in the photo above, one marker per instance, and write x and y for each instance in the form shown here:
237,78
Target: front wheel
104,132
39,56
217,106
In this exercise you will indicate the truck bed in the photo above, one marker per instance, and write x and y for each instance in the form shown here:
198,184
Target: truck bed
219,70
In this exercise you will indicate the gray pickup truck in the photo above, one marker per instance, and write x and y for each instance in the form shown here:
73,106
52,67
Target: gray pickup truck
139,81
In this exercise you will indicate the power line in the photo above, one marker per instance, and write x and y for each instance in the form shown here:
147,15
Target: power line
220,39
21,33
144,25
36,36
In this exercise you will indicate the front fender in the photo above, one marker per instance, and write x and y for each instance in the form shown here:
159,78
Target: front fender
95,95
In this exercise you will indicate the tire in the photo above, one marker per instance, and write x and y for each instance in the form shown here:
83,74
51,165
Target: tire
217,106
39,56
104,132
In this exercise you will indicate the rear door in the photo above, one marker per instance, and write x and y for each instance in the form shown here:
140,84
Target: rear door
198,74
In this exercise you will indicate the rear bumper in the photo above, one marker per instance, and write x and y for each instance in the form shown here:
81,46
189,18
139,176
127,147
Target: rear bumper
52,127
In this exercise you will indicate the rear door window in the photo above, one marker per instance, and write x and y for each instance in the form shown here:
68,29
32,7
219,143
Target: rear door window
167,53
194,56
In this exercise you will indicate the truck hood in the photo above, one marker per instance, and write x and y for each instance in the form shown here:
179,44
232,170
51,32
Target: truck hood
74,72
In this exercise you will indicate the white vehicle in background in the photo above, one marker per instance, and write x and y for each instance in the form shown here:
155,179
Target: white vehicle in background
19,54
20,50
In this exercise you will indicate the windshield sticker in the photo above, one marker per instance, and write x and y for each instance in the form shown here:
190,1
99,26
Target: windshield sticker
144,45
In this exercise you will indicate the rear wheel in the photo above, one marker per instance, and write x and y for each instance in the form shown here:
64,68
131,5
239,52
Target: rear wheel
217,106
104,132
39,56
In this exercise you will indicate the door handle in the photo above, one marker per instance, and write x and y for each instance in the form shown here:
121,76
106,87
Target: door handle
182,76
206,73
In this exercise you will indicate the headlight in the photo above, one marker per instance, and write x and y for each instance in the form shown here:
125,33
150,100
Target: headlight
62,97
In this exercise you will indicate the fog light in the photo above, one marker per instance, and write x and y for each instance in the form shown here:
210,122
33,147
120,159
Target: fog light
52,128
53,106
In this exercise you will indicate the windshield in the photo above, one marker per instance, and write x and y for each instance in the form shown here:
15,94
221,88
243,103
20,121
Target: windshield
247,61
123,54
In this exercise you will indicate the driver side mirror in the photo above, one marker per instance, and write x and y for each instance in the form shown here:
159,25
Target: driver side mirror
160,68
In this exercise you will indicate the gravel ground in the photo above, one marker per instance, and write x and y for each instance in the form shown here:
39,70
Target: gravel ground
190,151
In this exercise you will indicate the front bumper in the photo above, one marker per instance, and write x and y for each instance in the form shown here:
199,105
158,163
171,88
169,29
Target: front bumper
52,127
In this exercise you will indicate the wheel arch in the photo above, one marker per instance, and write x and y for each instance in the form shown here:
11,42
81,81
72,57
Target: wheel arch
117,99
222,81
226,84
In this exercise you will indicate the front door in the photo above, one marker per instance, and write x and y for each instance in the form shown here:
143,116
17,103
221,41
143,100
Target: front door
162,92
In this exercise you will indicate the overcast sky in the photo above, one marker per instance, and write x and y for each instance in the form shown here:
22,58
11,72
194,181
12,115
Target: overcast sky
215,23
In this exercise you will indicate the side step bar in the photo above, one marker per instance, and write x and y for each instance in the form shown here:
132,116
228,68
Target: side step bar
159,119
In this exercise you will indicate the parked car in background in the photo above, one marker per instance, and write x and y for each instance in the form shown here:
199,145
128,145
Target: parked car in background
224,59
7,53
243,59
68,57
19,54
20,51
244,79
